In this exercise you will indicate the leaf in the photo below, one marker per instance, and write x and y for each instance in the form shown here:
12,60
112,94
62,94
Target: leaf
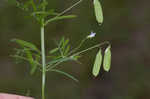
107,59
98,11
59,18
76,57
33,5
44,13
67,50
97,64
42,4
65,43
23,43
34,66
61,42
24,58
54,57
31,60
64,73
53,50
19,58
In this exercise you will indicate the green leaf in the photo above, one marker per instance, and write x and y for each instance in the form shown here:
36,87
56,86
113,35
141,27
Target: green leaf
23,43
54,57
42,5
33,5
64,73
107,59
61,42
24,58
31,61
97,64
67,50
65,43
59,18
44,13
18,58
34,65
53,50
76,57
64,47
98,11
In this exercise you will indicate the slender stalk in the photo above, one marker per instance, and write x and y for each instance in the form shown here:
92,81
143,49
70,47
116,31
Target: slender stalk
43,62
83,51
43,55
66,10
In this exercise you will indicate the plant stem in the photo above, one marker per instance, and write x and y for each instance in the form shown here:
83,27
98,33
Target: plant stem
66,10
43,55
43,62
95,46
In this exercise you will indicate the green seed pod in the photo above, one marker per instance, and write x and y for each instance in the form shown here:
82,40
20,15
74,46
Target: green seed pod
107,59
98,11
97,64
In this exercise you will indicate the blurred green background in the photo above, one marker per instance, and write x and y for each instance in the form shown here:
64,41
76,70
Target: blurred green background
126,25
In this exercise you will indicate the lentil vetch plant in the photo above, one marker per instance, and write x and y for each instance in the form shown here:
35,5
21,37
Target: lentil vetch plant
38,59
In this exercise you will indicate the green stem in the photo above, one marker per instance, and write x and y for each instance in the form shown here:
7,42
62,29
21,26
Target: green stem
43,55
66,10
43,62
98,45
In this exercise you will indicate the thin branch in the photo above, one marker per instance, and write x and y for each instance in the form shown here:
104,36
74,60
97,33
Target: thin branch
98,45
63,12
64,73
66,10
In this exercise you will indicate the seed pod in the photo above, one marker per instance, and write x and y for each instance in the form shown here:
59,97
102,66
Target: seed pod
98,11
97,64
107,59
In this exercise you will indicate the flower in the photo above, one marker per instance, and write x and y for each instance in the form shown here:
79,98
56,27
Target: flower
91,35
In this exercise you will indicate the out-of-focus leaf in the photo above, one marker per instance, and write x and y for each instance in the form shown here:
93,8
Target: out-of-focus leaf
98,11
76,57
23,43
65,43
65,47
107,59
18,58
34,66
97,64
53,50
67,50
31,60
24,58
64,73
42,4
61,41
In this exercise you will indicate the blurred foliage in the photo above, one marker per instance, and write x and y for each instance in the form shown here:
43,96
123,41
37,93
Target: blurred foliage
126,26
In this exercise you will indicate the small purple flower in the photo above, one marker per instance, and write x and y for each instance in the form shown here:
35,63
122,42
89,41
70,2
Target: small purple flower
91,35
